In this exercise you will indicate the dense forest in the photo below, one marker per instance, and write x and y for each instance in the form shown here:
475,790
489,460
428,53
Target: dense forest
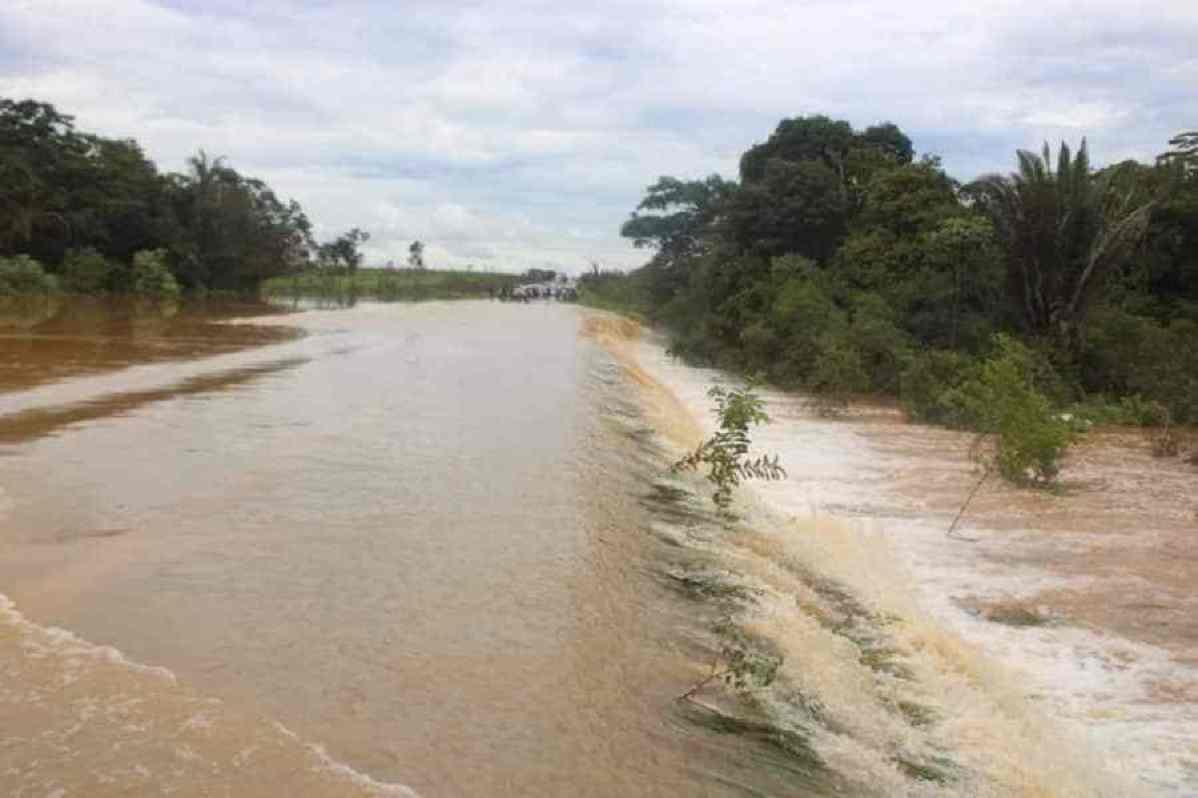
84,213
841,264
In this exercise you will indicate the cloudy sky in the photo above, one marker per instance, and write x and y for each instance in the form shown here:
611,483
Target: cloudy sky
517,134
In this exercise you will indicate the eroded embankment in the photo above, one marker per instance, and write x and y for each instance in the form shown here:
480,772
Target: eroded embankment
837,656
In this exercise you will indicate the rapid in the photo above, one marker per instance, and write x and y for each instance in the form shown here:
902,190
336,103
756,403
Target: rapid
436,549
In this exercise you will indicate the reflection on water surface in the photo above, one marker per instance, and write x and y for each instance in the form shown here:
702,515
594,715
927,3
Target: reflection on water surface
48,339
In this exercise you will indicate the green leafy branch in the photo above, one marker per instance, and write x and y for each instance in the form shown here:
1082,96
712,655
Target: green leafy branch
726,453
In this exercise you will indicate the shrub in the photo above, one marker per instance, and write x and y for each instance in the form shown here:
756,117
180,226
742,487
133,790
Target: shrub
726,453
760,345
803,314
837,375
1134,355
1143,413
151,277
884,349
1002,398
86,271
22,274
926,383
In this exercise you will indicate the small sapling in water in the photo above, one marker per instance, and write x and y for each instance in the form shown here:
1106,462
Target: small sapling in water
726,453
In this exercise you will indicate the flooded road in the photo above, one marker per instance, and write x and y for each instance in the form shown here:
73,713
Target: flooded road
404,546
436,549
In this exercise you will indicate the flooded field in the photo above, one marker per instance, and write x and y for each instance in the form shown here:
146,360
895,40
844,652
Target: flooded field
436,549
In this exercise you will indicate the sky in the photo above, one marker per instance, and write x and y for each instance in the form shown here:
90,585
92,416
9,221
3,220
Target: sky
510,135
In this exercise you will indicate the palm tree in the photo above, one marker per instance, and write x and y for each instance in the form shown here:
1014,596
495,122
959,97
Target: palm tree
206,188
1065,232
205,180
1184,152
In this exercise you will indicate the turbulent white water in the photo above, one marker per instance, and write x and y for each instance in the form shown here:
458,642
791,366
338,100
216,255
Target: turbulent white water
1045,709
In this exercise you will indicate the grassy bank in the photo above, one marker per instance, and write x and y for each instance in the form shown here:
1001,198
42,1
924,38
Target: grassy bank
616,292
392,284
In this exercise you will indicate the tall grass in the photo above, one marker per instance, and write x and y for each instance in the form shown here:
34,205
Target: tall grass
391,284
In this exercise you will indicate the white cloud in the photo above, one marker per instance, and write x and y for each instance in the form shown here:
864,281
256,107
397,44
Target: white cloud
523,133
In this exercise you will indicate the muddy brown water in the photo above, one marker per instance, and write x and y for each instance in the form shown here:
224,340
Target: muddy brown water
436,549
1087,594
356,551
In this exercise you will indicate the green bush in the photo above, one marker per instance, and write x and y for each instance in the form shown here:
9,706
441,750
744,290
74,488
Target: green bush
761,345
22,274
1002,398
726,453
837,375
926,384
884,349
804,316
86,271
151,277
1144,361
1128,411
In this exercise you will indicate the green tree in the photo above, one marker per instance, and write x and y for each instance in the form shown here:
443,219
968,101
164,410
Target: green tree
907,200
1164,277
416,256
230,231
60,188
853,157
342,252
965,249
888,139
39,154
675,220
26,207
803,138
1064,231
680,213
795,207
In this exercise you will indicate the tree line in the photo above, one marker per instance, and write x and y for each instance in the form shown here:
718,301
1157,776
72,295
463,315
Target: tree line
85,213
840,263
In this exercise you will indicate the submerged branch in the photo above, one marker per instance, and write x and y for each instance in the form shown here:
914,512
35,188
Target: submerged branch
987,470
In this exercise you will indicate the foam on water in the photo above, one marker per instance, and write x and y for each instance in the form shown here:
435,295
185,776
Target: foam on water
1048,710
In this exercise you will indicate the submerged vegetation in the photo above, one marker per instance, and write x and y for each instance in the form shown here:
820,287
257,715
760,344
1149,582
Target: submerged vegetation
1022,305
